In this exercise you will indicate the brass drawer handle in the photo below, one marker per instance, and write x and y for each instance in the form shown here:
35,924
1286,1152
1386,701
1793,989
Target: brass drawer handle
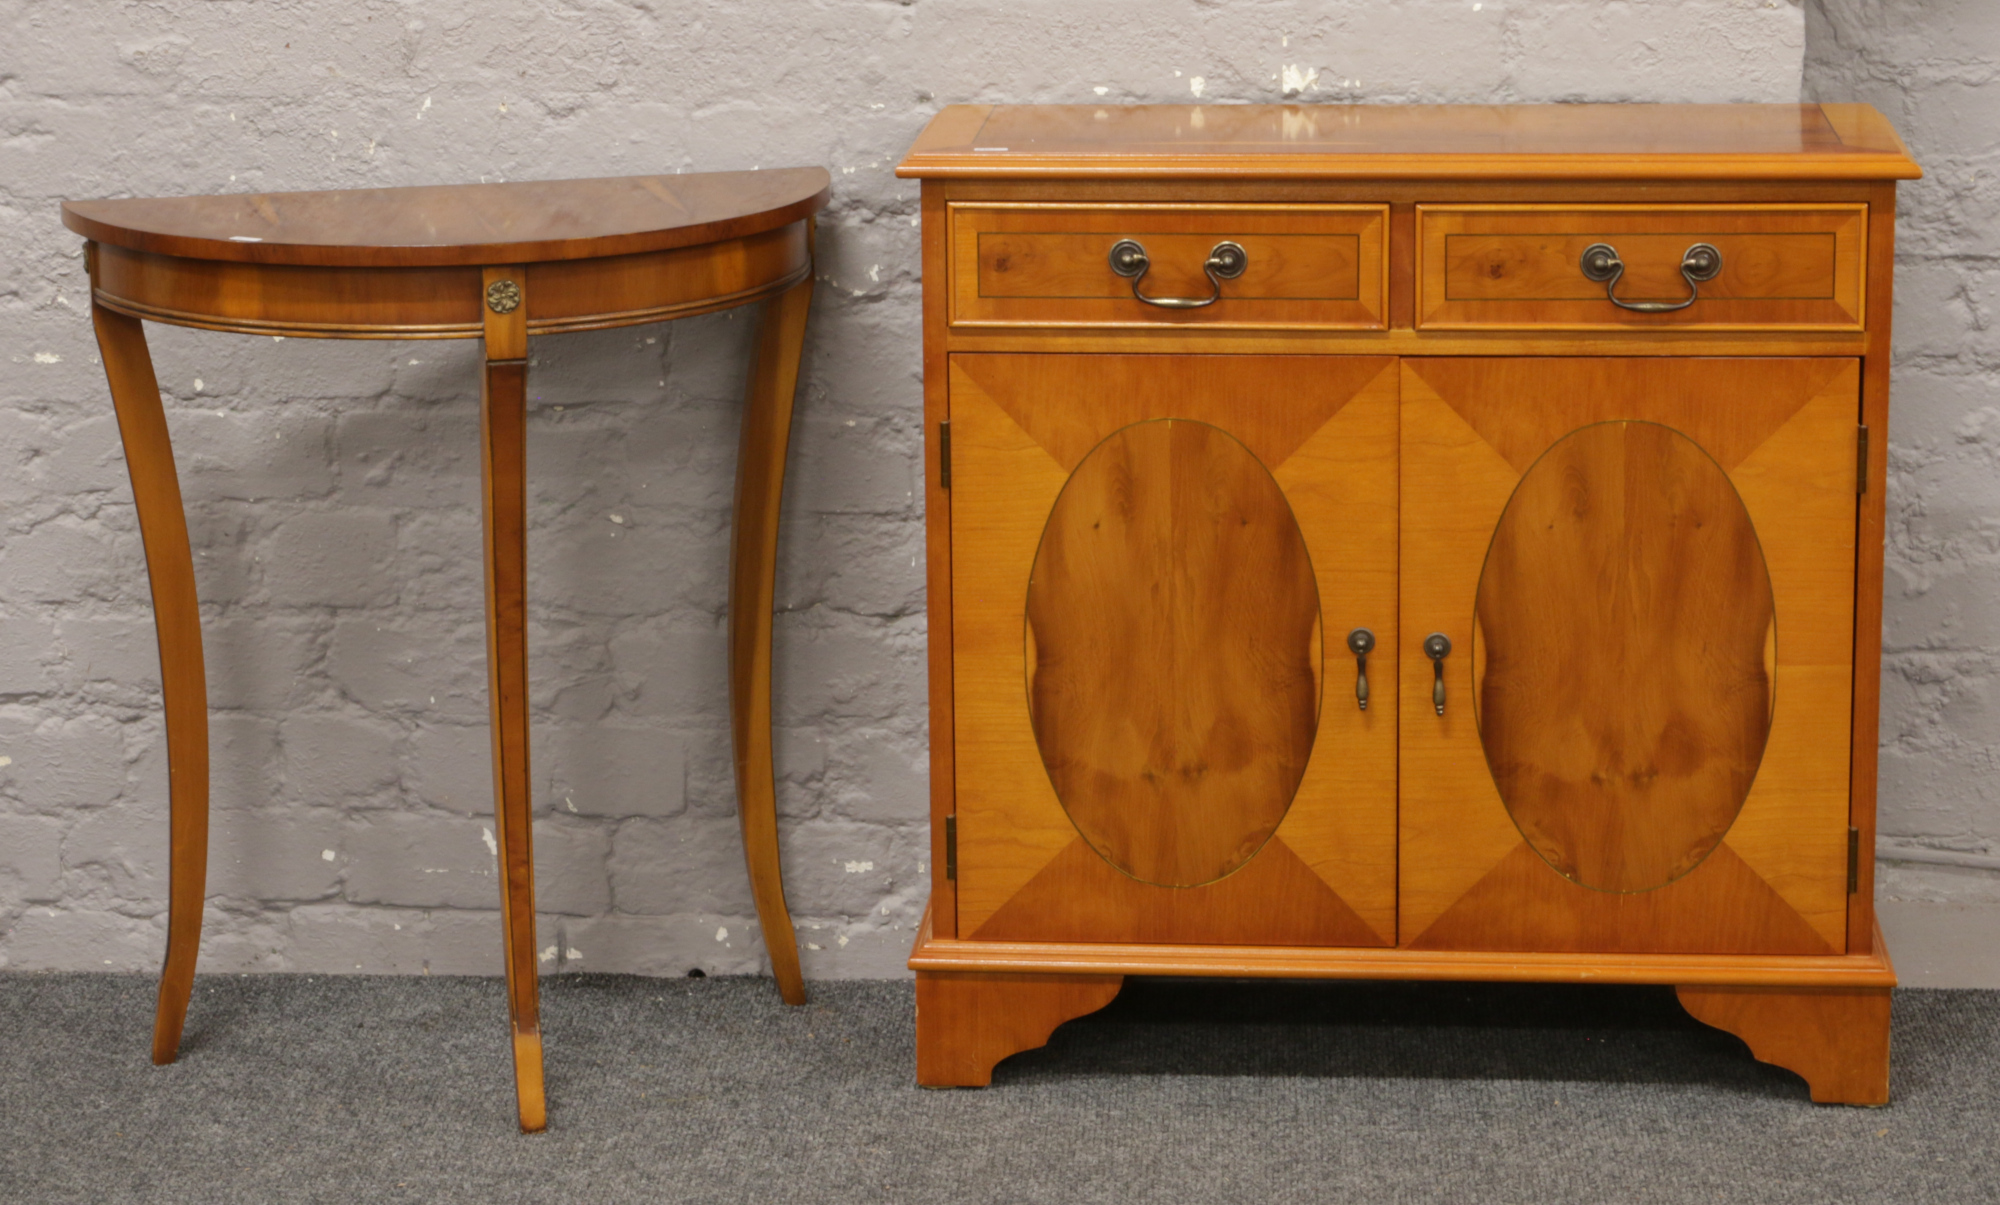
1361,642
1225,262
1437,646
1698,263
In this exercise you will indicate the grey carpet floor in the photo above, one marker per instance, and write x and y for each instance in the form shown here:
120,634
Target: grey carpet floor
294,1088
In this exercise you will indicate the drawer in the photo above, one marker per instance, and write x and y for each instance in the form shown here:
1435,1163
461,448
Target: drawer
1514,267
1311,266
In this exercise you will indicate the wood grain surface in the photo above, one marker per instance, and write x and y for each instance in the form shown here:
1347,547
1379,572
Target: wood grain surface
1021,425
503,462
932,952
1172,662
1620,639
967,1023
1506,353
1784,266
1049,265
379,264
1871,530
342,302
156,495
753,572
1783,432
440,225
1837,1040
939,689
1516,142
1079,896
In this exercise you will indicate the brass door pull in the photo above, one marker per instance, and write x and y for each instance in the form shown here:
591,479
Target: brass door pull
1437,646
1226,261
1361,642
1698,263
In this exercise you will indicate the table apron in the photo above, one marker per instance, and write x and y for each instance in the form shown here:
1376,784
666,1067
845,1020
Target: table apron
445,303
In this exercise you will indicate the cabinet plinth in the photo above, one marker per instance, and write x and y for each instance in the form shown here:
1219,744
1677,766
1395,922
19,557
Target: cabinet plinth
1424,543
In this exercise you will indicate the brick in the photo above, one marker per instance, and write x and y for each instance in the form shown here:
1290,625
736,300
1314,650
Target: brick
121,852
334,558
116,656
670,945
840,868
57,766
401,665
570,875
671,671
334,757
1637,52
826,670
450,766
30,858
393,941
686,864
635,568
29,658
880,567
258,661
683,461
439,567
862,469
244,764
270,856
420,457
881,777
421,861
604,770
86,456
24,439
799,757
66,559
870,951
47,939
251,943
263,454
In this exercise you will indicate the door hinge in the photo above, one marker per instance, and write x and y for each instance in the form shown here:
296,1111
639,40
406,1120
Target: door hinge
951,846
1853,860
1861,473
944,454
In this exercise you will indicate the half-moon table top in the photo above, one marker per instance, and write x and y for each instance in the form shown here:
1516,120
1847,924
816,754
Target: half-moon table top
438,225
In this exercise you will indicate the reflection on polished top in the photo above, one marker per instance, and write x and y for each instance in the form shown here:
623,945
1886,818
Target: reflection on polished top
454,224
1462,141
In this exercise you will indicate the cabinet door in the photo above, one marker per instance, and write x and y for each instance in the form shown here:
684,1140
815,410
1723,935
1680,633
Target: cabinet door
1156,564
1645,569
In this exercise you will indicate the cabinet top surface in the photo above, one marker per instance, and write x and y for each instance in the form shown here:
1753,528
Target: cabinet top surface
1543,142
457,224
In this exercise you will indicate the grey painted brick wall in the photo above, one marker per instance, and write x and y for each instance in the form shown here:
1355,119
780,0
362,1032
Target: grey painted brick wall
332,487
1933,66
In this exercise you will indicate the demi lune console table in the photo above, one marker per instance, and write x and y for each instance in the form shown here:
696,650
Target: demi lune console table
498,262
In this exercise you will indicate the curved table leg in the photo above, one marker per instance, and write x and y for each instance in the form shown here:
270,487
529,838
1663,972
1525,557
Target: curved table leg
156,492
503,407
760,486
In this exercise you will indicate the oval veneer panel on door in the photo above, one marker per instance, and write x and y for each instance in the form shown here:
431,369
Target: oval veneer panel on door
1173,652
1624,648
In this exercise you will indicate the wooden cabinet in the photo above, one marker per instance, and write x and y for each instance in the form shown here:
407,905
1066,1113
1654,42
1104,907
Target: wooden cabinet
1406,543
